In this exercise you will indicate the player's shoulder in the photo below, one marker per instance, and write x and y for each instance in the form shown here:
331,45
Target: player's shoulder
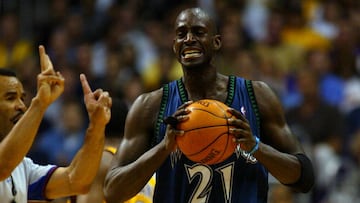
146,106
262,89
261,85
267,100
149,98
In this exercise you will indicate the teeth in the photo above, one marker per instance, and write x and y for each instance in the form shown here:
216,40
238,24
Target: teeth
191,53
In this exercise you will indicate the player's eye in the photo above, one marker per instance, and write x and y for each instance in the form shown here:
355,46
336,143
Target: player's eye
181,34
200,32
10,98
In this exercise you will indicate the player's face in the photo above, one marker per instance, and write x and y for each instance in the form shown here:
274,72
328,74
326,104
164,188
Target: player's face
194,42
12,105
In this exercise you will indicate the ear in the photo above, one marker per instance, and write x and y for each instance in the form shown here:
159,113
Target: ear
217,42
173,47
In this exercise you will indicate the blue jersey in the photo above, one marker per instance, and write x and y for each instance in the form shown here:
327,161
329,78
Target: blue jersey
236,180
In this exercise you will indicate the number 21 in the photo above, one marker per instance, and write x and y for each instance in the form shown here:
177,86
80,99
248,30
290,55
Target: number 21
203,188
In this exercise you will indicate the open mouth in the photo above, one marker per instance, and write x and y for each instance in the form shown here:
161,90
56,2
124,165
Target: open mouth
191,53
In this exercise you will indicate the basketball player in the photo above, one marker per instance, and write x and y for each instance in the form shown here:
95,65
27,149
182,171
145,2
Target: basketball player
149,143
23,181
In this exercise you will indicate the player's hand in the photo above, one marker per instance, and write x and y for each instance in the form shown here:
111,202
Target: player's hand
98,103
171,131
50,84
241,129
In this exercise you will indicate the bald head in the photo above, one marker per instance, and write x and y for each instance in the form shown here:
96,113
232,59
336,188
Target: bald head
199,15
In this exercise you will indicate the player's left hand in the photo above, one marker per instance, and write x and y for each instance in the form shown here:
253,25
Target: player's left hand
98,103
241,129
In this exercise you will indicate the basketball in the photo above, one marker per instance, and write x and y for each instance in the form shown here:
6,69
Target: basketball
206,139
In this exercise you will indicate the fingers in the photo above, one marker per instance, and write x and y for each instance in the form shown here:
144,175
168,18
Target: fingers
45,62
182,110
51,79
171,120
42,57
105,99
183,106
85,84
237,114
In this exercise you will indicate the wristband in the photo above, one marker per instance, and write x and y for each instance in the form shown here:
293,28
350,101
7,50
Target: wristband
255,148
306,180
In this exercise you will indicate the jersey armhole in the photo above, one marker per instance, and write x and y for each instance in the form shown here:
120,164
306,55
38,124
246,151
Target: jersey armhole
160,116
251,93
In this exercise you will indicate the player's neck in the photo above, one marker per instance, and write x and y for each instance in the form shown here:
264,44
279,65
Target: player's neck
205,86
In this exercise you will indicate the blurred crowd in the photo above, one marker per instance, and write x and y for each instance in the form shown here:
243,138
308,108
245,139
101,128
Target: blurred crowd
308,51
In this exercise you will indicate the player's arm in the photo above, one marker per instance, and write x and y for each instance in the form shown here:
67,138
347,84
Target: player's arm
78,176
134,162
96,194
279,150
50,86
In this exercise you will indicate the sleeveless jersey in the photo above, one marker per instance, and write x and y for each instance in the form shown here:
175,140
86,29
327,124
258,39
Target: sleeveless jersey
235,180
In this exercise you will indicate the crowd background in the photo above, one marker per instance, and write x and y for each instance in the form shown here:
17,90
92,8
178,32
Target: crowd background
308,51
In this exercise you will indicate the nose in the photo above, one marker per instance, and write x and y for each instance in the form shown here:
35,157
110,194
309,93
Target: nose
20,105
189,37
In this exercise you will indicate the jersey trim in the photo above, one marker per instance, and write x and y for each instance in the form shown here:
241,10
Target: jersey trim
183,94
253,101
159,119
231,90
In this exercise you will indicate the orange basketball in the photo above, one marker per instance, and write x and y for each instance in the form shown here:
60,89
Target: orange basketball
206,139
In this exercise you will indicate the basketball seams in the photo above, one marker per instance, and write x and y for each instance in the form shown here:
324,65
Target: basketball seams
223,151
207,139
221,107
205,127
207,111
208,145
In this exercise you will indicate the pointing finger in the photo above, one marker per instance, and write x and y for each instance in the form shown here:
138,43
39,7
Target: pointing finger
85,85
45,63
42,57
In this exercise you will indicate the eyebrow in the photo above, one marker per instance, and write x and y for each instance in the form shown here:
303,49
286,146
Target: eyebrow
10,93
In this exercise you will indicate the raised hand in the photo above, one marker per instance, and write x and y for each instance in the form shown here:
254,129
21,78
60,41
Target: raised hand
98,103
50,84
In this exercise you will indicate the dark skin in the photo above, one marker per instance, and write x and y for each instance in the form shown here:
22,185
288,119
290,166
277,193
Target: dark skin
195,44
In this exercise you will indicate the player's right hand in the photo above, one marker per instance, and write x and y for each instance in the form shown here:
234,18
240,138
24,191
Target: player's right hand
171,131
50,84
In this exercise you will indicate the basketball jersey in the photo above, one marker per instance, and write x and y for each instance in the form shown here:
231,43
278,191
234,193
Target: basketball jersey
235,180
